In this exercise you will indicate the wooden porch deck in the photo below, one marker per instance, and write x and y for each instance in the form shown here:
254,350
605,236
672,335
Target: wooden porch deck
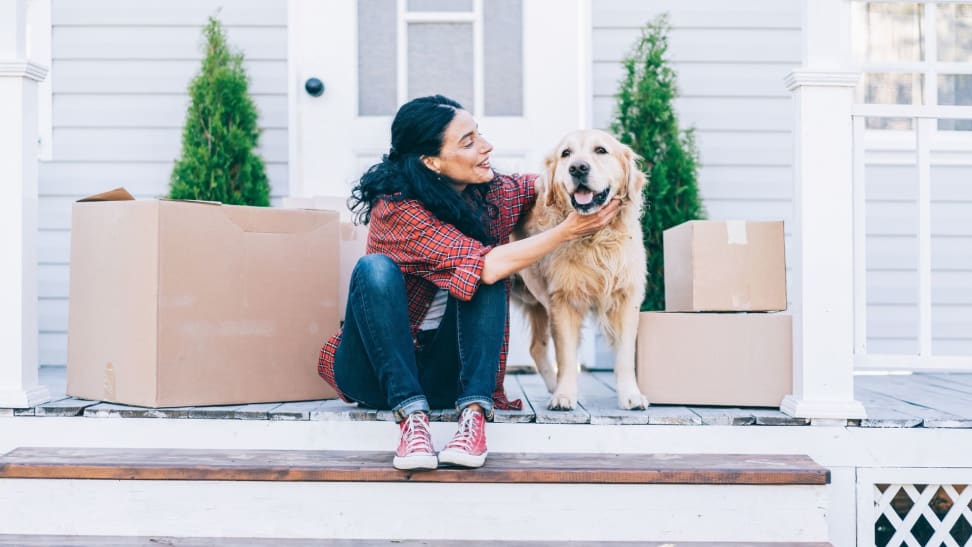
898,401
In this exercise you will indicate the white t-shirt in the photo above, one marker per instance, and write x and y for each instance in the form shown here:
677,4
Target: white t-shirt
437,309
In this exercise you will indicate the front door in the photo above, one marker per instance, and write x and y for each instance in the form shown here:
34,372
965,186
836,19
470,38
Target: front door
520,66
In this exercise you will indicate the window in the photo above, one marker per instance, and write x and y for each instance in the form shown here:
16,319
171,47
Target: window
914,53
470,50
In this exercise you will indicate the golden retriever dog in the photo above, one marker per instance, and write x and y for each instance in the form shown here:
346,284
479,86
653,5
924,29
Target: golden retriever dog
603,273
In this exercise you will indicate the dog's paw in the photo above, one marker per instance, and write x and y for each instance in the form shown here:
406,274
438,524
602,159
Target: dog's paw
549,378
632,400
562,401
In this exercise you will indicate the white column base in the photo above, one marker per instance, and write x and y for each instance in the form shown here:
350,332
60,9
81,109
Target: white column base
24,398
836,410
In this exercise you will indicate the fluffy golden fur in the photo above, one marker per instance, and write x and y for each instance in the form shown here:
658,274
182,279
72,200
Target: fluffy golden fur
603,273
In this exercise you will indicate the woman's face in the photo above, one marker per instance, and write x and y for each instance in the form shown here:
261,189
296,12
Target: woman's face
464,157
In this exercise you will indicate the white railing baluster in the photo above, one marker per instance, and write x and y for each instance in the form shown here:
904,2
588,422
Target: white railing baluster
860,238
926,120
926,128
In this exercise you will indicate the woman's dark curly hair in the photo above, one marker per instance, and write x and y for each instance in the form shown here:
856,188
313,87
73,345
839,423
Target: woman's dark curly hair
416,131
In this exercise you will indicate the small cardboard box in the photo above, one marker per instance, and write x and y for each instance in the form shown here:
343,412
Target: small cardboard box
176,303
737,359
729,265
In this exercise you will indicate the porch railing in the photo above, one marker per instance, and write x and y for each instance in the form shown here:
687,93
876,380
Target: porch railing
924,120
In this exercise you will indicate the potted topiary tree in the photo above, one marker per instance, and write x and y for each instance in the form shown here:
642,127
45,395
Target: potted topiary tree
646,121
218,161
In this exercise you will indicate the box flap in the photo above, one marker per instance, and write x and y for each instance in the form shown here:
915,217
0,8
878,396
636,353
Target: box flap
118,194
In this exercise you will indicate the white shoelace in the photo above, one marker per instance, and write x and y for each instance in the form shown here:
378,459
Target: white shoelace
417,436
464,436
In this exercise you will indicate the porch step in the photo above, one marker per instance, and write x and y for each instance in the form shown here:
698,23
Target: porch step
105,541
554,499
359,466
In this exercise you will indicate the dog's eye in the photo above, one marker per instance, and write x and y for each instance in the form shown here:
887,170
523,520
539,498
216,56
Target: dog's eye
600,150
565,153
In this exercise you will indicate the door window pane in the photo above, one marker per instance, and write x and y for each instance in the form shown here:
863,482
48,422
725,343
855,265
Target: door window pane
503,57
440,60
889,88
955,33
955,89
377,60
888,31
440,5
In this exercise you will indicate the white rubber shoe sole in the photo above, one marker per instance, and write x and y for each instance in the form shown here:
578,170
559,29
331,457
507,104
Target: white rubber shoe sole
411,463
462,459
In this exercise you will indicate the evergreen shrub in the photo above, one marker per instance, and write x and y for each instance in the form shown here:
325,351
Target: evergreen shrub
218,161
645,120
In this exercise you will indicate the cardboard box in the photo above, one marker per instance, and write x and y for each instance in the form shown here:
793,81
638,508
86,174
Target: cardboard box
738,359
353,238
725,266
176,303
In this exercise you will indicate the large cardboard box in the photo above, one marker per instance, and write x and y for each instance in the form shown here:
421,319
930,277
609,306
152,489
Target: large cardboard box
353,238
177,303
725,266
738,359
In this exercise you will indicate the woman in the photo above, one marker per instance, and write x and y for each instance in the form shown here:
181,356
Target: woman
427,319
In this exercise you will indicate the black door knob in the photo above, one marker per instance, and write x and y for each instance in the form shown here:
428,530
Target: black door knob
314,87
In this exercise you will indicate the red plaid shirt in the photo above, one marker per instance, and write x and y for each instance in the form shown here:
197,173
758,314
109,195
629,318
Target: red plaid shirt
434,255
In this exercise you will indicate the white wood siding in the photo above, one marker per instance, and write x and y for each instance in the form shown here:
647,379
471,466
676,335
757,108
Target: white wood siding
120,75
731,58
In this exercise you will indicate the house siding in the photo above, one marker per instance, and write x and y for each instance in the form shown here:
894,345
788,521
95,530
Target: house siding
120,74
731,58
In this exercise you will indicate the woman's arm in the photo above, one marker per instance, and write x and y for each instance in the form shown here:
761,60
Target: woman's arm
505,260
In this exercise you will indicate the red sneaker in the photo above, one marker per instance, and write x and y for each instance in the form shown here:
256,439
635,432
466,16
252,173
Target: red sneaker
415,446
468,447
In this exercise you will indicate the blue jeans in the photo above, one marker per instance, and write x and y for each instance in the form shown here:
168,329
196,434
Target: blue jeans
377,365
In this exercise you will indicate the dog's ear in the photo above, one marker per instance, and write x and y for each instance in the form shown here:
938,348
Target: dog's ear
635,177
549,171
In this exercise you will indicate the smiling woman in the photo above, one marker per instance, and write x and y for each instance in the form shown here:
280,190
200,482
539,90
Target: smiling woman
427,320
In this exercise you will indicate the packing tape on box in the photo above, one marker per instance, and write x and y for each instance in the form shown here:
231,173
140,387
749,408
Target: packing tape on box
736,230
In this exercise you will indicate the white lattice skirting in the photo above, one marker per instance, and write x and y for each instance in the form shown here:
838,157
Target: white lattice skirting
921,514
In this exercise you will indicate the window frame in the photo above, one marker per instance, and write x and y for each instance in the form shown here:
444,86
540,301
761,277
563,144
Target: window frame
929,69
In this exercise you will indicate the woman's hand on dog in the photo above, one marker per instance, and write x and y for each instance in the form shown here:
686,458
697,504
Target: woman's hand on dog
577,225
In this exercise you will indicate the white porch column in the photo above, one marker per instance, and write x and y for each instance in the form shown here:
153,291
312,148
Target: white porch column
823,276
18,212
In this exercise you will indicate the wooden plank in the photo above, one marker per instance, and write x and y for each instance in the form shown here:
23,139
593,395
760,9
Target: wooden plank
601,402
655,414
712,415
949,403
930,417
111,410
513,392
885,412
257,411
536,391
68,406
312,465
765,416
299,410
155,541
957,379
215,412
946,381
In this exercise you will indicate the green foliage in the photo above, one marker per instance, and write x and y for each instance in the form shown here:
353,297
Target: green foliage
647,122
218,162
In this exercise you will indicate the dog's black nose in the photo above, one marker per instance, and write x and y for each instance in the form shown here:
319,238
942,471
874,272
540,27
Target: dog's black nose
579,169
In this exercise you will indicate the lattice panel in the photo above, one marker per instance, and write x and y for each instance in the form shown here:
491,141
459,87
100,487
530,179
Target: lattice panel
923,515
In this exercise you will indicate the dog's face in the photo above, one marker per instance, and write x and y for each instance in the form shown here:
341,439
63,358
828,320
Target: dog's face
588,168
